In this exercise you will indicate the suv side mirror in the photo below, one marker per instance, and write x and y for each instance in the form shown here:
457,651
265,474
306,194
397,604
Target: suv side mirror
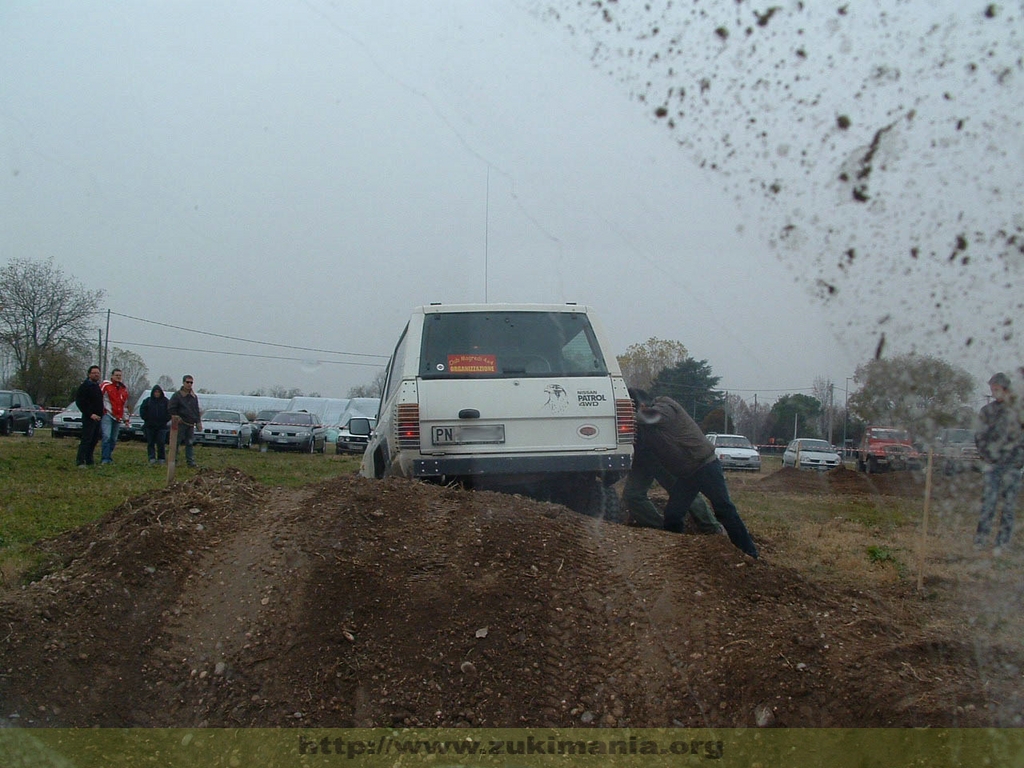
359,426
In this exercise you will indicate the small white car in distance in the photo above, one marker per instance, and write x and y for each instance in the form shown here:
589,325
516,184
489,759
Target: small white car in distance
810,453
736,452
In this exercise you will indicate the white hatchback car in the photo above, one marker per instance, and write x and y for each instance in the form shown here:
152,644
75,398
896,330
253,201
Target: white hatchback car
736,452
809,453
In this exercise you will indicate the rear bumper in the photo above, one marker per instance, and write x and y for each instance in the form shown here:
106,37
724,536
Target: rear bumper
476,466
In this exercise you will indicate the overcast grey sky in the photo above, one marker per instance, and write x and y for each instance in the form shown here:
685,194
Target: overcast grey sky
302,173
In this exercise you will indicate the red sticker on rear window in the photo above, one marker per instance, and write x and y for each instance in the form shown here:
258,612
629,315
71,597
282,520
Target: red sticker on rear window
472,364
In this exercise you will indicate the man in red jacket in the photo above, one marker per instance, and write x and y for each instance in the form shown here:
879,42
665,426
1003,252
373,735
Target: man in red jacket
115,413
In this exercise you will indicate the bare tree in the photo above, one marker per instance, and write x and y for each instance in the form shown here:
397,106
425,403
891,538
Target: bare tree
374,389
45,320
135,372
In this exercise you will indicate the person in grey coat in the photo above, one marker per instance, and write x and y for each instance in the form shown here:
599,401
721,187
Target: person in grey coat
185,413
1000,441
665,429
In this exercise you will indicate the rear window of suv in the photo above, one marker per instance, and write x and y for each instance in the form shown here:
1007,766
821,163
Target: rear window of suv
509,345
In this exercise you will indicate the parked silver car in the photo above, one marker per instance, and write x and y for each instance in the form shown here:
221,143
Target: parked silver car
810,453
223,427
956,451
67,422
257,423
295,431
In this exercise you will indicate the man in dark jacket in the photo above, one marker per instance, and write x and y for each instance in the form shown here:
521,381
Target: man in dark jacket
155,418
1000,441
89,399
184,410
666,431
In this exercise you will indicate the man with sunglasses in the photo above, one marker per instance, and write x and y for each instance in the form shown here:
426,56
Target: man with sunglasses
185,413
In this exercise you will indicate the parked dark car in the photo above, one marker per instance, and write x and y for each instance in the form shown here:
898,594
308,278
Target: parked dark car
257,423
17,412
43,417
296,431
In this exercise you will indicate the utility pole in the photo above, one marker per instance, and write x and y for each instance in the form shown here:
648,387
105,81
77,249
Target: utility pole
846,415
106,345
831,409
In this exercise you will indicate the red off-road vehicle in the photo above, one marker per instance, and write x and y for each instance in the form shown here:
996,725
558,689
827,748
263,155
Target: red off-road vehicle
887,448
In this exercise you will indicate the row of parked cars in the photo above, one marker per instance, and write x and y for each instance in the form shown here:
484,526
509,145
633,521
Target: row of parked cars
277,430
737,452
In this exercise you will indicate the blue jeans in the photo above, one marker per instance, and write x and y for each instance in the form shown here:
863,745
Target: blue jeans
641,509
186,437
109,428
1001,483
709,480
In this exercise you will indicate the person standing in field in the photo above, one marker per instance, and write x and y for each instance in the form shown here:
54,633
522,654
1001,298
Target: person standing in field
184,410
89,399
115,413
155,417
1000,441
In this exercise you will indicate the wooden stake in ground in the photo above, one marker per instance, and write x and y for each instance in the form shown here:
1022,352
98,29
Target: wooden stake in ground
172,450
923,546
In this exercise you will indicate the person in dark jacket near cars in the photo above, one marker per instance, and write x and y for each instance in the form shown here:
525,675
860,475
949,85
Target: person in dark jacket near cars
1000,441
89,399
666,431
185,412
155,418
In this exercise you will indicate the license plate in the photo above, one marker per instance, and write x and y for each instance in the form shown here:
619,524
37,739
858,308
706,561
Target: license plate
466,434
282,439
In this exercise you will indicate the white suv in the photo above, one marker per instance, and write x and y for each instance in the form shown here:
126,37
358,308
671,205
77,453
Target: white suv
506,396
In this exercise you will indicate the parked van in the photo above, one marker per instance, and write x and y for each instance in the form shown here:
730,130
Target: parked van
523,397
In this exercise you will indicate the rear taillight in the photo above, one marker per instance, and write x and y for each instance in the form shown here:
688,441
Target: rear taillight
625,420
407,425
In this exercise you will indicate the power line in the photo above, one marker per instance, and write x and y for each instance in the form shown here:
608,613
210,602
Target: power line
248,354
247,341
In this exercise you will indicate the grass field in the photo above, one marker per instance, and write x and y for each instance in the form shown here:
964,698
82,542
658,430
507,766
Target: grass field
43,493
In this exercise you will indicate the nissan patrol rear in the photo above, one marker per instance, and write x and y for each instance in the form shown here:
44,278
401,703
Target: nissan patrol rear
516,397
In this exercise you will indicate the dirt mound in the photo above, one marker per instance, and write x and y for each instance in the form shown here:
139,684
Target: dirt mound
362,603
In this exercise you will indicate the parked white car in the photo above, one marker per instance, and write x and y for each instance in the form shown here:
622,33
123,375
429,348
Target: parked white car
223,427
809,453
736,452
